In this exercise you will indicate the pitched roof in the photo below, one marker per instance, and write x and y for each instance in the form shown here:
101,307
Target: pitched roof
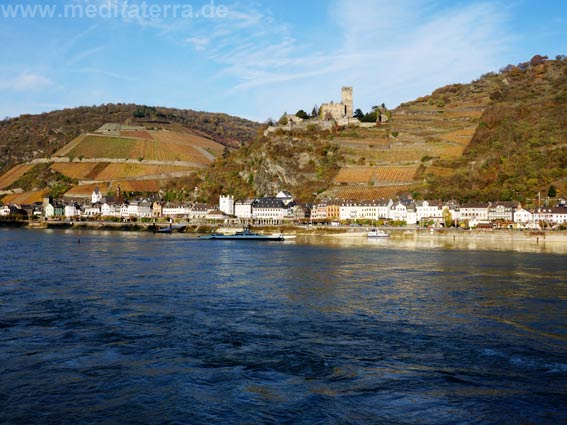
268,202
475,205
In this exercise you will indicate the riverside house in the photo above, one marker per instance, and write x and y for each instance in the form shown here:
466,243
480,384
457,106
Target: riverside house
551,215
475,212
243,209
502,211
269,210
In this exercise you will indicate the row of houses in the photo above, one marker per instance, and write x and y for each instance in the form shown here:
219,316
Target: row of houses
139,209
282,208
437,212
276,209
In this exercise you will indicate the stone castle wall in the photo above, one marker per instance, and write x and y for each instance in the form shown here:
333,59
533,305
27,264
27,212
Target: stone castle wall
341,110
330,114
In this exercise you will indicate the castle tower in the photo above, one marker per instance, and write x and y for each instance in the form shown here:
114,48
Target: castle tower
346,100
226,204
96,196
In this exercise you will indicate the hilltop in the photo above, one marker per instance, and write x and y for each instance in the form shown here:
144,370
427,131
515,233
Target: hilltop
519,147
28,137
501,137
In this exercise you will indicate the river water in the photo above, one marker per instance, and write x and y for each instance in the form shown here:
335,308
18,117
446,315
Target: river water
135,328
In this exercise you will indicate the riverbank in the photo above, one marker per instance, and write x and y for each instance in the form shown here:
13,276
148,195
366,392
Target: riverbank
473,234
452,234
107,225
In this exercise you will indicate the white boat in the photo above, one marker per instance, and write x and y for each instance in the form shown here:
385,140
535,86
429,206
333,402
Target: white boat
377,233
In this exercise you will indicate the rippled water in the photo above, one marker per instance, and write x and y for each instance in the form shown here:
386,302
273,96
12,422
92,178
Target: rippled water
133,328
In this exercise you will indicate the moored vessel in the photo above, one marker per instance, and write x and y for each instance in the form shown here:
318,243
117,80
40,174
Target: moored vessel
245,234
377,233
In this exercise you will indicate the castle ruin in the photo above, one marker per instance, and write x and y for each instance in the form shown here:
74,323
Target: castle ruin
330,114
338,111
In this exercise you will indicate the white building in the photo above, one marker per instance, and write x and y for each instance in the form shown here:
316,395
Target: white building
399,212
551,215
91,210
141,209
349,211
404,212
226,204
319,212
270,210
523,217
175,210
502,211
429,210
455,210
72,211
243,209
49,210
369,210
474,211
4,211
96,196
110,210
285,197
200,211
124,212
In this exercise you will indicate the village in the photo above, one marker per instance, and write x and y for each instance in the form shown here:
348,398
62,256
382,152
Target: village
281,210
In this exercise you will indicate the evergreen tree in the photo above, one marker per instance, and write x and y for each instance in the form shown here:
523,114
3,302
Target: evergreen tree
315,112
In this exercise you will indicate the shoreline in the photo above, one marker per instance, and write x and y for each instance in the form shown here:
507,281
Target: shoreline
451,234
552,241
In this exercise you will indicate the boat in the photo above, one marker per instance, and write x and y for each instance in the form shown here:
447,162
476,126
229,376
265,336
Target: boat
246,235
169,229
377,233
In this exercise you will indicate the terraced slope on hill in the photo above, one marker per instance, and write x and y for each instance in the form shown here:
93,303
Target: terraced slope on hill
497,138
519,149
28,137
393,157
137,161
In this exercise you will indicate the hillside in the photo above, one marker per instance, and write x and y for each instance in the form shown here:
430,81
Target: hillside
133,158
27,137
520,145
500,137
266,166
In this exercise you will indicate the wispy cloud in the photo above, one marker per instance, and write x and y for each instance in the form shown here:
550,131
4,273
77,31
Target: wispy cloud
256,50
393,50
199,43
105,73
402,49
81,56
78,38
25,82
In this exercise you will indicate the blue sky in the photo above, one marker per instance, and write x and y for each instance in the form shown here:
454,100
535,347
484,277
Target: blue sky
257,59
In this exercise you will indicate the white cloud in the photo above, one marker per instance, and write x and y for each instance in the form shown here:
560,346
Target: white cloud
199,43
401,51
25,82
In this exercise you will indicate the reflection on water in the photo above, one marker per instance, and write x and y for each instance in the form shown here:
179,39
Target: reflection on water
424,241
129,327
